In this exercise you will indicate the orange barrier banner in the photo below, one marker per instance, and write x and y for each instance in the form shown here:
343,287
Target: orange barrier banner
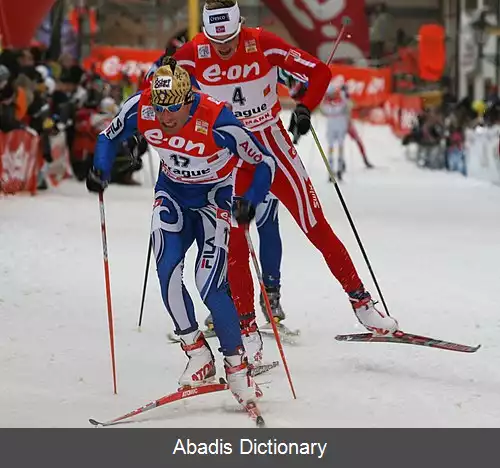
392,109
18,161
115,62
60,167
401,112
431,51
411,107
368,87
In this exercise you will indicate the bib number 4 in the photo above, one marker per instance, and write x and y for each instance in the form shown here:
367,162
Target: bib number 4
238,97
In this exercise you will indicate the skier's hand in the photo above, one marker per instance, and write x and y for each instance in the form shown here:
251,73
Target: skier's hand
95,182
300,123
243,210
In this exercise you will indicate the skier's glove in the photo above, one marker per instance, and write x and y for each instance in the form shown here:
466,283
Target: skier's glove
300,123
95,182
243,210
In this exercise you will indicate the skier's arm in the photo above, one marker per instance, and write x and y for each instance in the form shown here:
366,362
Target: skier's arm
123,126
230,133
300,63
185,57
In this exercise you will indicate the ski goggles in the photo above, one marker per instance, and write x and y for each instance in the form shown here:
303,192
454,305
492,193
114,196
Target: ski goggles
170,108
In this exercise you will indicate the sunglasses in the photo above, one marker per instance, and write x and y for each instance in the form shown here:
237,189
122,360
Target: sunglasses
170,108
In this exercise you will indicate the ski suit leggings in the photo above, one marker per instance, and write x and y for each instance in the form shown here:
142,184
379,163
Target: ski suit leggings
175,226
270,248
294,189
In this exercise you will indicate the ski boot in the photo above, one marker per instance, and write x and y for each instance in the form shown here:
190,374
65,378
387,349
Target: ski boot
369,316
252,340
200,368
274,296
240,380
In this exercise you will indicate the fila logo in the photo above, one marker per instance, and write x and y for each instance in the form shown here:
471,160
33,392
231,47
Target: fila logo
155,137
208,253
213,74
114,128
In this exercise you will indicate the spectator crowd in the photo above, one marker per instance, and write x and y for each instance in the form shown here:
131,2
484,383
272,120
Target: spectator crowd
53,97
439,132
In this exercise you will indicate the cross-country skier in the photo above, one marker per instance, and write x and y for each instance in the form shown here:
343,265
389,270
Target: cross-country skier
336,107
197,138
297,87
239,65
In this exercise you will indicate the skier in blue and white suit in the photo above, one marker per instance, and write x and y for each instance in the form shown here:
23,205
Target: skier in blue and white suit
270,251
199,141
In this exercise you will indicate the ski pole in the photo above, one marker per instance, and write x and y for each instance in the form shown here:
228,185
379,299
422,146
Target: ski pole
108,288
145,283
268,309
346,21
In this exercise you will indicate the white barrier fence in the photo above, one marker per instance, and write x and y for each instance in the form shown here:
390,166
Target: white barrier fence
482,153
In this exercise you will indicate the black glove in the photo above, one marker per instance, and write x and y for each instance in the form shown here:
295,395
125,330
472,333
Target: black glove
243,210
95,183
300,123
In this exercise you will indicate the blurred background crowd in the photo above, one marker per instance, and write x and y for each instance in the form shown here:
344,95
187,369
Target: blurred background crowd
58,96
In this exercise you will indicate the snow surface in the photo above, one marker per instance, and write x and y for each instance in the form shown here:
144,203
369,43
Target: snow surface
433,239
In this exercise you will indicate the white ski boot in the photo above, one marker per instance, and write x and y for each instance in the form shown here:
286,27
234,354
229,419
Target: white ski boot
200,368
252,339
369,316
240,380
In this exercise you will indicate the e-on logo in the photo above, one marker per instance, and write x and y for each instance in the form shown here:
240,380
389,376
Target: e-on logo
235,72
156,137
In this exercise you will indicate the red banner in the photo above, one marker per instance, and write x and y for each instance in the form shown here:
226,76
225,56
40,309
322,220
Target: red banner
315,24
60,168
411,107
19,21
18,161
115,62
368,87
401,112
392,108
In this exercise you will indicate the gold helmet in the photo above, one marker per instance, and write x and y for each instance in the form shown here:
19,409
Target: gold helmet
171,85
